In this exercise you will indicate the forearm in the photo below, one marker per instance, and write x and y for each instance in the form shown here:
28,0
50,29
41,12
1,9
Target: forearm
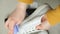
20,12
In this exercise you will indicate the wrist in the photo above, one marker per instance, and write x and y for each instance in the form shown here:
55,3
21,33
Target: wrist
22,5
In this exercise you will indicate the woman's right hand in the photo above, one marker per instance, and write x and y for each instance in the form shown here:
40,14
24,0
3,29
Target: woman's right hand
16,17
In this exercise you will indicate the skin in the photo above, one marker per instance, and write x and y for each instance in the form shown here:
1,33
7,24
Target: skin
18,15
44,25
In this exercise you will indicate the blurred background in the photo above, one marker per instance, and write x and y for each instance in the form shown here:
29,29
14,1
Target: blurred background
7,6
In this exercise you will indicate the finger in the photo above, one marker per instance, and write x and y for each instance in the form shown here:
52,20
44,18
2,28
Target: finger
43,26
10,32
7,24
39,27
43,19
19,22
11,26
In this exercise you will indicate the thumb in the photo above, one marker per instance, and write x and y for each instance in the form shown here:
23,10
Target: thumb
19,22
40,27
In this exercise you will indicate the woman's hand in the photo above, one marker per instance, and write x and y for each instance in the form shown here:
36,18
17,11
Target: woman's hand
16,17
44,25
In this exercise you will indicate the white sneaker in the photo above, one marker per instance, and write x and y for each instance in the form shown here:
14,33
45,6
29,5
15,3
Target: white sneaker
29,24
